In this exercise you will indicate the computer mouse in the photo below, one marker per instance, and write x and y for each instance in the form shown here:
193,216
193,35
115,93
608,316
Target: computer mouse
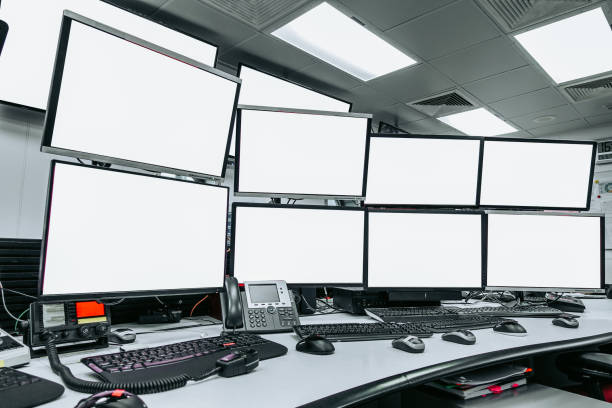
122,336
460,336
411,344
568,322
315,344
510,327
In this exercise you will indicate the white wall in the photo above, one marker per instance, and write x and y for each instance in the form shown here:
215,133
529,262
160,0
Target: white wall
23,173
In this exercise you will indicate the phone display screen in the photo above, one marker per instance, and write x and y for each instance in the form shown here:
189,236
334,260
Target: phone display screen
263,293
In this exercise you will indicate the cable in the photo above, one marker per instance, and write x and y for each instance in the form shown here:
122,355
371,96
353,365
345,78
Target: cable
8,312
196,305
17,322
20,293
111,304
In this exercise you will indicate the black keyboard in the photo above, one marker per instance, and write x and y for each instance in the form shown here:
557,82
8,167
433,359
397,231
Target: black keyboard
515,311
409,311
361,331
21,390
446,323
192,357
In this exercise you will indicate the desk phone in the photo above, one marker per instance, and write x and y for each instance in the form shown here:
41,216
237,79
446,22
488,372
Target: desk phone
263,307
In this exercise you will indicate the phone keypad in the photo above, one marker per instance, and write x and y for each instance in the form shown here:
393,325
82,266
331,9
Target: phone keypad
257,318
287,317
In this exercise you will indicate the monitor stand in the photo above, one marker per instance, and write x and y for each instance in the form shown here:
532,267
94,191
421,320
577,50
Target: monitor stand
421,298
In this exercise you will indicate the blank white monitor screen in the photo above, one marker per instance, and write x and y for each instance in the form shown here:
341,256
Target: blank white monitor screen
543,251
259,88
25,77
111,231
422,171
120,100
424,250
536,174
298,245
288,153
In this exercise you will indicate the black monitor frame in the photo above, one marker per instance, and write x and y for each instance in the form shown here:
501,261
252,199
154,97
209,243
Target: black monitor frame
3,33
602,255
237,191
119,294
56,81
142,15
425,206
537,208
242,64
299,207
483,251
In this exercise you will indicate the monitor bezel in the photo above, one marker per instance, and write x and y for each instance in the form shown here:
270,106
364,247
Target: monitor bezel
602,255
535,207
117,294
239,193
429,206
52,103
141,15
236,205
483,240
244,64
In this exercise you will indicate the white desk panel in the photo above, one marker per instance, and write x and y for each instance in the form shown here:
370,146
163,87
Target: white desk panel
299,378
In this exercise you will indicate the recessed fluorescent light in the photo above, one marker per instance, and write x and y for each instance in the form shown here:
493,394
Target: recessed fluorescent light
572,48
332,36
478,122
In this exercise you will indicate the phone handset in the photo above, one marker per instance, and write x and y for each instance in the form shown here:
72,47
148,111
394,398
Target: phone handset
233,306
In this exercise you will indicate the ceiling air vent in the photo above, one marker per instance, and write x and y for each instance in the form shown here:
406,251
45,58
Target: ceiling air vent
256,13
512,15
590,90
444,104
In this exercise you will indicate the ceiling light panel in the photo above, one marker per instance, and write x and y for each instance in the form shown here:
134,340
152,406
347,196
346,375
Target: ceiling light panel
478,122
572,48
332,36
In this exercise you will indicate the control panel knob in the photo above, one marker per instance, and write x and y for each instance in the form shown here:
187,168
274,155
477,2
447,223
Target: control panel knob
271,309
84,331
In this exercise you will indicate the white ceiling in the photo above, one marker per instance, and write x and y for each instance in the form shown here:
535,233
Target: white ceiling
459,46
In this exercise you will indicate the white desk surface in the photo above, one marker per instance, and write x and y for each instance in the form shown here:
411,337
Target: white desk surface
298,378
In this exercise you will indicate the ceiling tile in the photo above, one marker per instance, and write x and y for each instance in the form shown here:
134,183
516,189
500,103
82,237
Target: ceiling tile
204,22
445,30
385,14
529,102
365,98
594,107
265,49
562,114
412,83
145,7
479,61
427,126
599,119
551,130
508,84
321,75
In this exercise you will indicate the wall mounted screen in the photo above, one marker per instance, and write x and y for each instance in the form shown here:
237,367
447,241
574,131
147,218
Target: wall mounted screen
259,88
120,100
537,174
302,245
116,232
541,252
301,153
423,171
25,77
419,250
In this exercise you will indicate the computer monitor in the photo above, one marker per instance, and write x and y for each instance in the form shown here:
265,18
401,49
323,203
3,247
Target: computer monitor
300,153
25,77
118,99
545,252
302,245
262,89
537,174
423,171
423,251
111,233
